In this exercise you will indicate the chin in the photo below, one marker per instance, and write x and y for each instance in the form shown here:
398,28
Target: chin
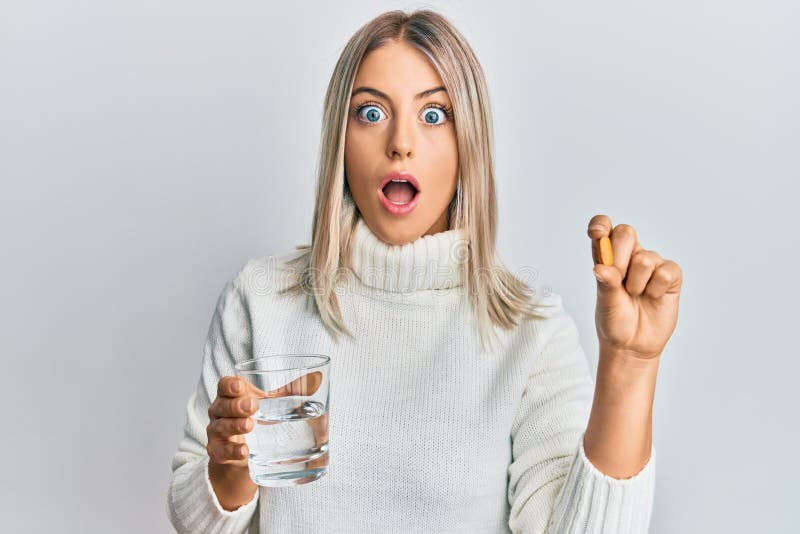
400,238
398,232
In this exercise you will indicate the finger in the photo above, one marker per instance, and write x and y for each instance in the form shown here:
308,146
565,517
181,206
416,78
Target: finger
320,427
237,407
641,268
307,384
230,386
236,386
320,461
624,241
227,427
226,452
599,226
666,276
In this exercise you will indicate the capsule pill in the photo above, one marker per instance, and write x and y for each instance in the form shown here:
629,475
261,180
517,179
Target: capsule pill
606,255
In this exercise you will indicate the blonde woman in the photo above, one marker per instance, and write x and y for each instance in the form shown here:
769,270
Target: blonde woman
461,400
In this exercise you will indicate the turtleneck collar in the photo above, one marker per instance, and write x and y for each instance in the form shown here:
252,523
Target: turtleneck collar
430,262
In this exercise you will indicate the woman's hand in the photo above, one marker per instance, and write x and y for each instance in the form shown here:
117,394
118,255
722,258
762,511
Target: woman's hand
637,296
229,414
229,417
227,452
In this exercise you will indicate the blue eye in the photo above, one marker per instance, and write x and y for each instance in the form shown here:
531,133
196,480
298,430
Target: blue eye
431,114
373,115
434,114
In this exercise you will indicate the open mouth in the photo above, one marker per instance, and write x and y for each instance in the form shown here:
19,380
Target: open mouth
399,191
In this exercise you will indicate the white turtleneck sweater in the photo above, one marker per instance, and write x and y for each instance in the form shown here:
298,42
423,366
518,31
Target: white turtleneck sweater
427,433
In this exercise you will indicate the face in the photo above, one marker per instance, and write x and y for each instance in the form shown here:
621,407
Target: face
401,120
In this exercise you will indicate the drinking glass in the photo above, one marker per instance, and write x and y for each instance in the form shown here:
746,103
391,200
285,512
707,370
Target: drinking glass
289,441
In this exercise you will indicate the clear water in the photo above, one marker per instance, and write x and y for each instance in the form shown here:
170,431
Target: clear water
289,442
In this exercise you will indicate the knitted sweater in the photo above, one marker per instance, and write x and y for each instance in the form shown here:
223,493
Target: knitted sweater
428,434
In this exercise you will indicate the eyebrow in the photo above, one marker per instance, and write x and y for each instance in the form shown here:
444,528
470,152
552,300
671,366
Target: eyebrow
373,91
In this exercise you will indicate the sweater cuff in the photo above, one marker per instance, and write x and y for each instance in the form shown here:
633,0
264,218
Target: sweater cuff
592,500
194,506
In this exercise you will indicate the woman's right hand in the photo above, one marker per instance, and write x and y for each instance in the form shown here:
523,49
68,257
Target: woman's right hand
230,413
230,420
229,417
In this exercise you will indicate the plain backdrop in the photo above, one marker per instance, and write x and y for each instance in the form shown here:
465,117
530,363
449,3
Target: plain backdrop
148,149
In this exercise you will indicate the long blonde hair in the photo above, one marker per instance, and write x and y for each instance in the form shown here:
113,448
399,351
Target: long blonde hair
498,297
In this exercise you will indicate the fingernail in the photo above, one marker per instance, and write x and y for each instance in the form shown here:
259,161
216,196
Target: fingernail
237,386
246,404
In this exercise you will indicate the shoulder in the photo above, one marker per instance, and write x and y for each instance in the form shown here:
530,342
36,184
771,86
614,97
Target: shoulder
550,320
268,274
548,310
548,303
555,315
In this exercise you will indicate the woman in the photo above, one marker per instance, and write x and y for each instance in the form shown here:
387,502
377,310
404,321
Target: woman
460,399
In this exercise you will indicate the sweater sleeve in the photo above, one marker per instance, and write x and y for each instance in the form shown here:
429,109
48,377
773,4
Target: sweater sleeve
553,487
192,505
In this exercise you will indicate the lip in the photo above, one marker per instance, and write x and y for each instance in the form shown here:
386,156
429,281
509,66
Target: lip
399,209
402,175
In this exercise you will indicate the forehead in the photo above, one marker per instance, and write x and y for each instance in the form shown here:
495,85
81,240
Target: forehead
397,68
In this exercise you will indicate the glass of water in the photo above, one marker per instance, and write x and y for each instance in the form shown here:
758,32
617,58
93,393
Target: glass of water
289,441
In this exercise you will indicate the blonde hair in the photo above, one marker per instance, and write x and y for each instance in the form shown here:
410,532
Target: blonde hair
498,297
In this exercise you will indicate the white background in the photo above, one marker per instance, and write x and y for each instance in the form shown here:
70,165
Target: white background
149,148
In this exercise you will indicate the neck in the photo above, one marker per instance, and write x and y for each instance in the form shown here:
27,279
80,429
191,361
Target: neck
432,261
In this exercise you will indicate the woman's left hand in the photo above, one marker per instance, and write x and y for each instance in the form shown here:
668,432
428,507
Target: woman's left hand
637,296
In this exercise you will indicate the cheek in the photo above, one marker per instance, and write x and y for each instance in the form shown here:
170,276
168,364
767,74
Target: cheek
444,160
358,148
359,160
443,145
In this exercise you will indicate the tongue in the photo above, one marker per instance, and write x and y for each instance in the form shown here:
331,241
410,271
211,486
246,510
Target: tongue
399,192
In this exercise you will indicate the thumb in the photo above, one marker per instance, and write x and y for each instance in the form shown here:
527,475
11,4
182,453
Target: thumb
608,277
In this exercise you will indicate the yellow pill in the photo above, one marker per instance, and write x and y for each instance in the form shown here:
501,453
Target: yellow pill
606,255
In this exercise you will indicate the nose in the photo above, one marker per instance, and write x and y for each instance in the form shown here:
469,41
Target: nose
401,139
